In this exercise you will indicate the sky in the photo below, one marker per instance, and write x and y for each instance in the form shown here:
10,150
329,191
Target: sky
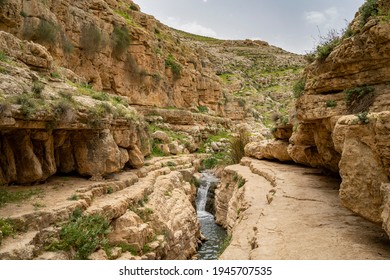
294,25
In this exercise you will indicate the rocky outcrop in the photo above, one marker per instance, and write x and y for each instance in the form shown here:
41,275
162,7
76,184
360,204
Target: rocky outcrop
50,126
150,213
354,78
115,48
343,117
268,149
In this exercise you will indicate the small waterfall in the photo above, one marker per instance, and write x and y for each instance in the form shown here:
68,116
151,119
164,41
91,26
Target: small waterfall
201,198
213,232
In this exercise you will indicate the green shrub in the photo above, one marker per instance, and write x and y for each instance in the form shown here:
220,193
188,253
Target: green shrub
28,104
241,182
37,88
209,163
156,151
363,118
120,40
327,45
47,32
6,229
170,62
128,248
299,88
102,96
369,9
64,107
310,57
91,39
359,99
74,197
237,147
3,57
331,103
203,109
83,235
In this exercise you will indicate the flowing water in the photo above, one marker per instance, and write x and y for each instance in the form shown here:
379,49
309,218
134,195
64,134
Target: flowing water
214,233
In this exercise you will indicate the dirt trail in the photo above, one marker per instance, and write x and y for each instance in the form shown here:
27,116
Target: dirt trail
295,214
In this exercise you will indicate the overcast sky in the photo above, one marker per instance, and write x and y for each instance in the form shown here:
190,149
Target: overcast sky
294,25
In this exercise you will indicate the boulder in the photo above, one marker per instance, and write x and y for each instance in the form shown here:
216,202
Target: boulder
161,136
268,149
136,158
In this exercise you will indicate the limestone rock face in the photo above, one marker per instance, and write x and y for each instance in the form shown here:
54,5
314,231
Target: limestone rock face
172,200
330,137
136,159
363,164
87,37
268,150
96,153
33,155
32,54
385,189
342,131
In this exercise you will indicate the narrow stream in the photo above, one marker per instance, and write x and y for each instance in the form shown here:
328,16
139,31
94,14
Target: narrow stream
214,233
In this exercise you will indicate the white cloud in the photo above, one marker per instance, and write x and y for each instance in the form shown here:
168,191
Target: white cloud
317,17
205,1
192,27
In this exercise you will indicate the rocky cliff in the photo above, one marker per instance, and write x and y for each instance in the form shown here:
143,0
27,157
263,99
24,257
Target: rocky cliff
342,114
116,49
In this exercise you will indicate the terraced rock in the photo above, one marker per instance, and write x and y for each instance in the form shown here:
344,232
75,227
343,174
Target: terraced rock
150,212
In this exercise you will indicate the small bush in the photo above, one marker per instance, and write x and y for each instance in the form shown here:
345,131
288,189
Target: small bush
363,118
310,57
327,45
63,110
6,229
209,163
83,235
237,147
91,39
37,88
46,32
128,248
299,88
331,103
156,151
170,62
102,96
28,105
369,9
120,40
359,99
203,109
3,57
241,182
74,197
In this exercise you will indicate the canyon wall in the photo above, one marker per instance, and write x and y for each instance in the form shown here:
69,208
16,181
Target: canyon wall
117,49
343,117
